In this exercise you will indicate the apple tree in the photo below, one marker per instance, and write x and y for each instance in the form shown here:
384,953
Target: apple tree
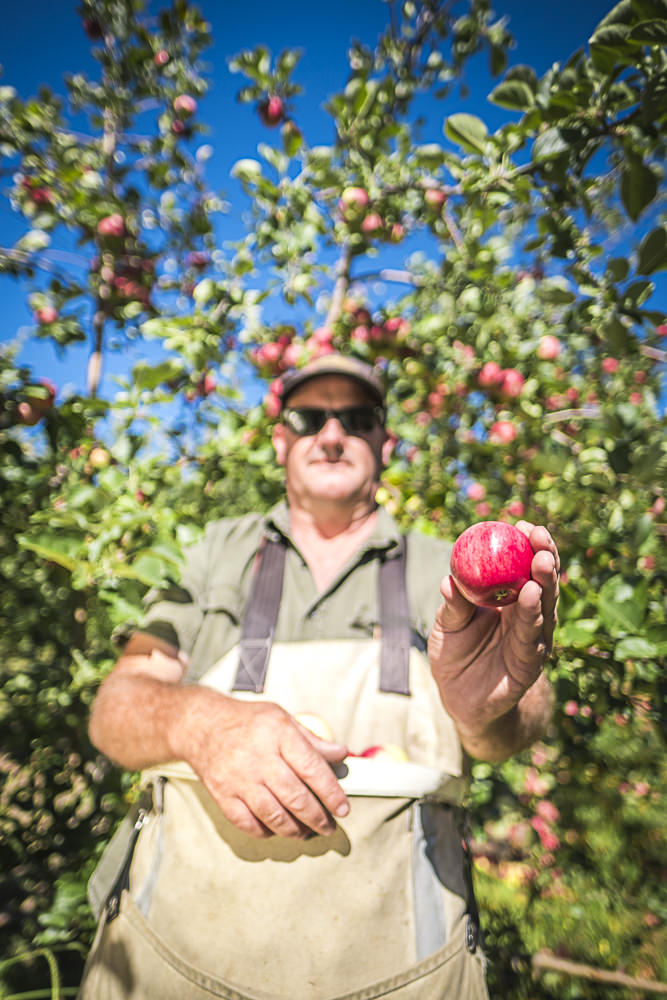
506,281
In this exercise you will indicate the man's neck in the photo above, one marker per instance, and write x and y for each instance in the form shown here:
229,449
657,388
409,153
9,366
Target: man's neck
328,542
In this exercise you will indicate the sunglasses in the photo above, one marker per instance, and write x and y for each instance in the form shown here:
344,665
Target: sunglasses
307,420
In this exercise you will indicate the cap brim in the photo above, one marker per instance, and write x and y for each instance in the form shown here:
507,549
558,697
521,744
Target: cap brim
335,364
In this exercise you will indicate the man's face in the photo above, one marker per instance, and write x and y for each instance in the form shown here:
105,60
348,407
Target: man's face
331,465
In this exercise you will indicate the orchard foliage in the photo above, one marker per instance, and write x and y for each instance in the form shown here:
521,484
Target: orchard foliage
505,280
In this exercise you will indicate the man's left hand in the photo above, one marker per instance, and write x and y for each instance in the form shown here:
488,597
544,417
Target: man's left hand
486,660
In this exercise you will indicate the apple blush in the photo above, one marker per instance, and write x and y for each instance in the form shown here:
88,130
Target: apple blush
490,563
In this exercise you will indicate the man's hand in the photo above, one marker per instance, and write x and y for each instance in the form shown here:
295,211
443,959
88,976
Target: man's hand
488,662
268,774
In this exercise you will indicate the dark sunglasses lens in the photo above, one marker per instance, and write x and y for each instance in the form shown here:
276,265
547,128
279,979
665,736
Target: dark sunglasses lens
353,419
304,422
358,419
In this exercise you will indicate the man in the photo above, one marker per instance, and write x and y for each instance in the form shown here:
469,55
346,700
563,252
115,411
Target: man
256,815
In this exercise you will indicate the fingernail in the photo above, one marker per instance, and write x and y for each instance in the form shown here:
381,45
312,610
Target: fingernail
343,809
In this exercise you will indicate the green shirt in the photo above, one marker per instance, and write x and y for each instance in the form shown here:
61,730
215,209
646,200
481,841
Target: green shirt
202,615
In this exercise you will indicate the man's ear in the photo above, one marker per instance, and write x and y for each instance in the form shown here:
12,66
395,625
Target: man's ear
388,446
279,443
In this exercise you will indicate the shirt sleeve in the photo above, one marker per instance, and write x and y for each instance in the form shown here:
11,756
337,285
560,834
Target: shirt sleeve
176,613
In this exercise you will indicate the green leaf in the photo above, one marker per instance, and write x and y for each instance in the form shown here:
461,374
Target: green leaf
653,252
618,269
62,548
609,46
649,33
622,606
617,335
635,647
637,294
548,145
149,569
577,633
430,155
246,170
514,95
639,187
468,131
150,376
203,291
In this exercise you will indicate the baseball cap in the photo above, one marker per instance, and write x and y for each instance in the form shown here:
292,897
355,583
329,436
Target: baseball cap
335,364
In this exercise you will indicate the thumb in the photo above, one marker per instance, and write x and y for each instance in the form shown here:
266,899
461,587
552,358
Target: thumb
455,612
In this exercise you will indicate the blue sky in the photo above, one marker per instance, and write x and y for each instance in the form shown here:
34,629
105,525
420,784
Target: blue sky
43,40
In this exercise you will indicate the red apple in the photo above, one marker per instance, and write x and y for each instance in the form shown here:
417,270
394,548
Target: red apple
549,347
434,197
502,432
490,374
93,29
46,315
490,563
99,457
185,105
272,110
161,57
476,491
111,225
512,383
372,224
386,751
352,202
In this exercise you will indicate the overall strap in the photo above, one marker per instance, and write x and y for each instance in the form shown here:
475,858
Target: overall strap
395,624
261,614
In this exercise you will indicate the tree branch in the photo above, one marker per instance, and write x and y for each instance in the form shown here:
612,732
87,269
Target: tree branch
543,960
391,274
341,285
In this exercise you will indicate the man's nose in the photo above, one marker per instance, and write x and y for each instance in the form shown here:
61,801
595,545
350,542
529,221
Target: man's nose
332,432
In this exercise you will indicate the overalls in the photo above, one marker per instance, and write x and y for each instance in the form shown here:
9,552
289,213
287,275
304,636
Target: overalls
380,908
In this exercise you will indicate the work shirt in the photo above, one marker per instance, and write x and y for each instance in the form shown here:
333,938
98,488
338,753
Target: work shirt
202,615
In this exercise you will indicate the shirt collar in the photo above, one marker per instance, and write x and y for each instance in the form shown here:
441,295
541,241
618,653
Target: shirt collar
384,537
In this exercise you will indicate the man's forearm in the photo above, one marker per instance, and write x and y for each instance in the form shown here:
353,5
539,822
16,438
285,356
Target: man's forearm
505,736
138,721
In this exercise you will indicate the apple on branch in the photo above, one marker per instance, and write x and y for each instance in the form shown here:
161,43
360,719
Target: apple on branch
490,563
185,105
352,202
46,315
271,110
112,225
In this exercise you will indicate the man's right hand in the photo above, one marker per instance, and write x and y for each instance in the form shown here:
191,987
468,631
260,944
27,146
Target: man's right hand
266,772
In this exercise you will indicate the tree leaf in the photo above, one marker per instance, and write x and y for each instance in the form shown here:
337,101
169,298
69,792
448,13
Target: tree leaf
618,269
62,548
649,33
653,252
548,145
639,187
635,647
468,131
514,95
622,606
577,633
